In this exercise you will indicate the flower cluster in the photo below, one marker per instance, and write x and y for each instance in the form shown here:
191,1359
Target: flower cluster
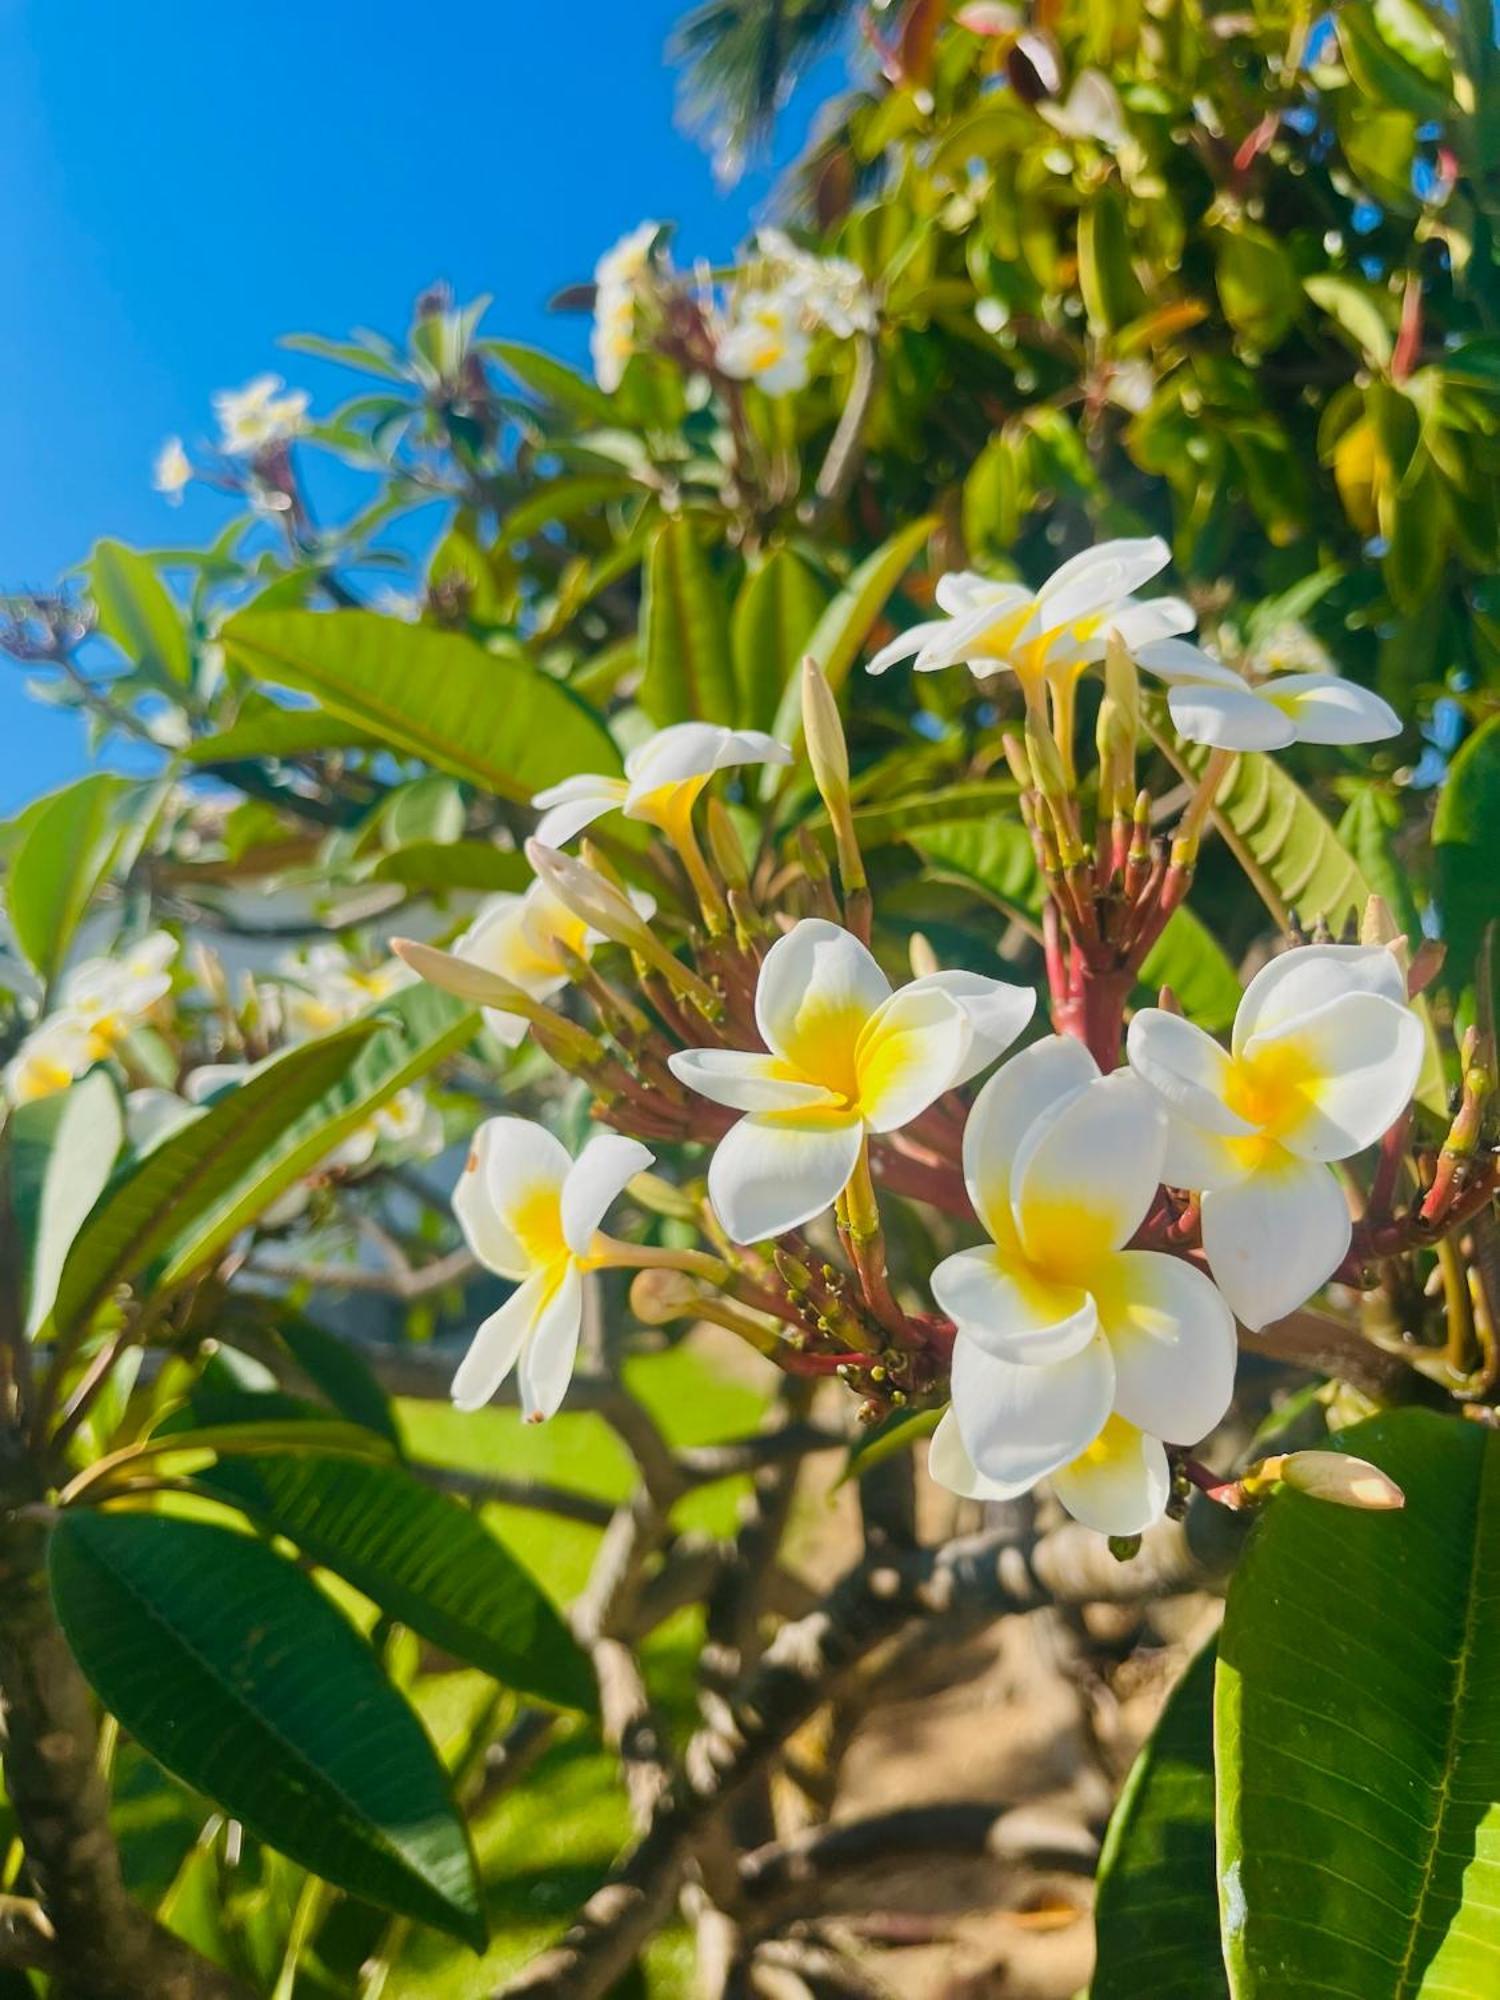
1136,1191
618,278
100,1002
771,323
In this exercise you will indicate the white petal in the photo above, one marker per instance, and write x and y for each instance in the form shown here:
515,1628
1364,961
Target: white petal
1013,1099
495,1347
1187,1068
514,1168
963,590
1120,1485
909,642
1276,1237
982,636
1179,662
745,1080
596,1178
1087,1171
1309,976
674,755
1020,1423
1228,718
818,986
950,1465
1099,577
510,1030
776,1170
997,1012
1199,1159
1364,1054
1173,1341
1147,624
1010,1311
1325,708
547,1358
575,804
750,746
908,1053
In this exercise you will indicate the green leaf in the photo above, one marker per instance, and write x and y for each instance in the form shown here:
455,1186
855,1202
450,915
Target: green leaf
426,809
198,1172
893,1434
491,718
684,631
420,1556
552,381
897,819
1358,1733
1189,958
1466,842
559,500
1371,821
458,864
993,856
61,1149
264,728
775,615
68,844
1106,275
136,610
334,1367
234,1671
1156,1912
1258,286
1396,56
1358,309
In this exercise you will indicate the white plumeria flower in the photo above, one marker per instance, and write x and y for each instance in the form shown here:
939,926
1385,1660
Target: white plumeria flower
617,275
531,1213
663,779
831,290
1324,1057
1074,1356
847,1057
111,994
329,989
993,627
766,343
52,1055
171,470
1210,703
1091,110
256,416
522,938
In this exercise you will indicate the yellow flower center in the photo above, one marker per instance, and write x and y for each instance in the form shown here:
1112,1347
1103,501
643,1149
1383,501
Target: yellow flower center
1275,1089
536,1224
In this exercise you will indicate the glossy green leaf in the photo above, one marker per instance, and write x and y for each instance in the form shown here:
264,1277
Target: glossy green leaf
135,609
896,819
1360,310
233,1670
457,864
1368,830
1111,291
775,615
1358,1733
555,383
992,856
202,1167
491,718
340,1373
264,728
1466,842
559,500
1258,286
420,1556
67,846
1156,1910
689,671
60,1150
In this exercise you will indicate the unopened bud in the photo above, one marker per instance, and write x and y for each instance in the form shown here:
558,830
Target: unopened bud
658,1297
1045,760
828,754
1335,1476
463,978
923,958
1122,683
608,910
724,845
1015,757
1168,1001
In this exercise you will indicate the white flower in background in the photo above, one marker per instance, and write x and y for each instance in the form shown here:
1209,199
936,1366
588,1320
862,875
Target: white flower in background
1324,1057
994,627
1210,703
523,938
256,416
990,17
1091,110
325,989
663,779
110,995
765,342
531,1213
847,1057
171,470
1289,648
618,276
52,1055
831,291
1074,1356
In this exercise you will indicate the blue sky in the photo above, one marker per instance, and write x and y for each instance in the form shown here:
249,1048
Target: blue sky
190,181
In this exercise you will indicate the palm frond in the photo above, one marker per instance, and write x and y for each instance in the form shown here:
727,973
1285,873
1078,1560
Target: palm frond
741,60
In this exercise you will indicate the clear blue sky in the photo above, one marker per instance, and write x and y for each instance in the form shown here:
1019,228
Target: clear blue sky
189,180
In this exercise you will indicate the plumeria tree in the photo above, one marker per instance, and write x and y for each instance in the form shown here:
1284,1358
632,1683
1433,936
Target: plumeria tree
847,1021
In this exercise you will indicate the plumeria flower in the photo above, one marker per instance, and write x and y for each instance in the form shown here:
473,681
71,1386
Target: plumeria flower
51,1056
111,994
766,343
531,1213
617,276
256,416
327,989
1091,110
1074,1356
831,290
1210,703
995,627
663,779
1324,1057
172,470
847,1057
523,939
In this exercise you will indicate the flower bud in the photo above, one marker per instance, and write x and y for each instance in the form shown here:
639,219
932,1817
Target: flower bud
659,1297
464,979
1335,1476
828,754
923,958
724,845
608,910
1122,683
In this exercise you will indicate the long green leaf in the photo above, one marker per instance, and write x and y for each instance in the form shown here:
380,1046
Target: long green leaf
684,631
1156,1912
421,1557
263,728
135,609
491,718
1466,840
457,864
171,1188
234,1671
61,1151
993,856
775,615
68,844
1358,1733
553,381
